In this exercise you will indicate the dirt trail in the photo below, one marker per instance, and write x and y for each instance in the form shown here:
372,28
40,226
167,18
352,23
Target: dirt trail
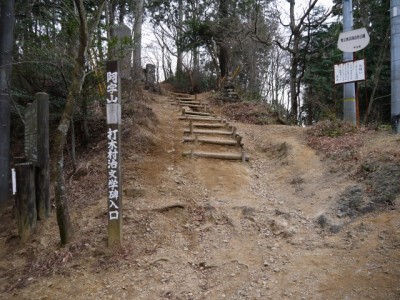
211,229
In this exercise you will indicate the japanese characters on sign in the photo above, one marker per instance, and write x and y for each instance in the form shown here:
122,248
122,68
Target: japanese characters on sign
113,178
113,103
31,133
113,107
354,40
112,87
350,71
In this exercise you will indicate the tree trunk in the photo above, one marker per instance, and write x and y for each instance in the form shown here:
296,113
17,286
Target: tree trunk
73,143
85,125
378,70
223,49
253,85
179,59
6,45
223,60
163,63
122,11
78,75
293,89
111,7
137,39
293,46
196,71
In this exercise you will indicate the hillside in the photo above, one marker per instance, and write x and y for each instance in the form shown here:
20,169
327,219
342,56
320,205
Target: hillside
295,222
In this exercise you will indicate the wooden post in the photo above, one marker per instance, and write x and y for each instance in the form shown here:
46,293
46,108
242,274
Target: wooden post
196,139
243,156
191,126
234,131
114,179
183,111
25,200
239,140
42,171
150,77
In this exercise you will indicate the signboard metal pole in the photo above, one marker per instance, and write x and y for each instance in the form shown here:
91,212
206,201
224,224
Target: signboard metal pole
395,64
114,179
349,98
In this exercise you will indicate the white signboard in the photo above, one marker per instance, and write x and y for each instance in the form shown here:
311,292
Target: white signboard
350,71
14,181
113,113
354,40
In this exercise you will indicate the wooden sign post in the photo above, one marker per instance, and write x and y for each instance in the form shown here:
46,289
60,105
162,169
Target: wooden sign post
37,150
114,188
42,170
25,200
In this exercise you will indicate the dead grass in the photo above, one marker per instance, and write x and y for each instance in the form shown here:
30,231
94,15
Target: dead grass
250,113
336,139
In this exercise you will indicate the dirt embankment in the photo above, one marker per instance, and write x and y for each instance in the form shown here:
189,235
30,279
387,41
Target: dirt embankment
290,224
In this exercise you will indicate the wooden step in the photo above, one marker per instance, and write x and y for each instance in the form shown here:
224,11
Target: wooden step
210,125
193,105
202,118
181,95
185,99
216,132
195,113
181,102
222,142
188,102
229,156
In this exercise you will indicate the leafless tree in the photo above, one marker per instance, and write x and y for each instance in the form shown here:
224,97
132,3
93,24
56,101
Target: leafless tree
299,29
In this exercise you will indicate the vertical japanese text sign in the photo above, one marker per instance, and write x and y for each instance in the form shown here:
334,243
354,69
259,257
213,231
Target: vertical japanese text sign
114,180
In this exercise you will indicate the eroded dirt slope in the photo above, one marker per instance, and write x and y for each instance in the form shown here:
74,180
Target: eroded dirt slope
211,229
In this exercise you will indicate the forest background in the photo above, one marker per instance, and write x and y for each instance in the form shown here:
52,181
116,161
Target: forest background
284,60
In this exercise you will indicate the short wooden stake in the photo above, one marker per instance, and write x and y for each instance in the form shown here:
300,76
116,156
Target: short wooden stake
25,200
234,131
191,153
243,156
183,111
196,139
191,126
239,140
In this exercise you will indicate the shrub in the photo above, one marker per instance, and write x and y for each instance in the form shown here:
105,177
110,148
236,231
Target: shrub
333,128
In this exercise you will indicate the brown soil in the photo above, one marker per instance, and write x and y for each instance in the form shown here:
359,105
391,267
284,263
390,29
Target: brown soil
212,229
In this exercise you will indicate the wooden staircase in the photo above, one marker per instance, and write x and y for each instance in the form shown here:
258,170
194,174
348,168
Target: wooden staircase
206,134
